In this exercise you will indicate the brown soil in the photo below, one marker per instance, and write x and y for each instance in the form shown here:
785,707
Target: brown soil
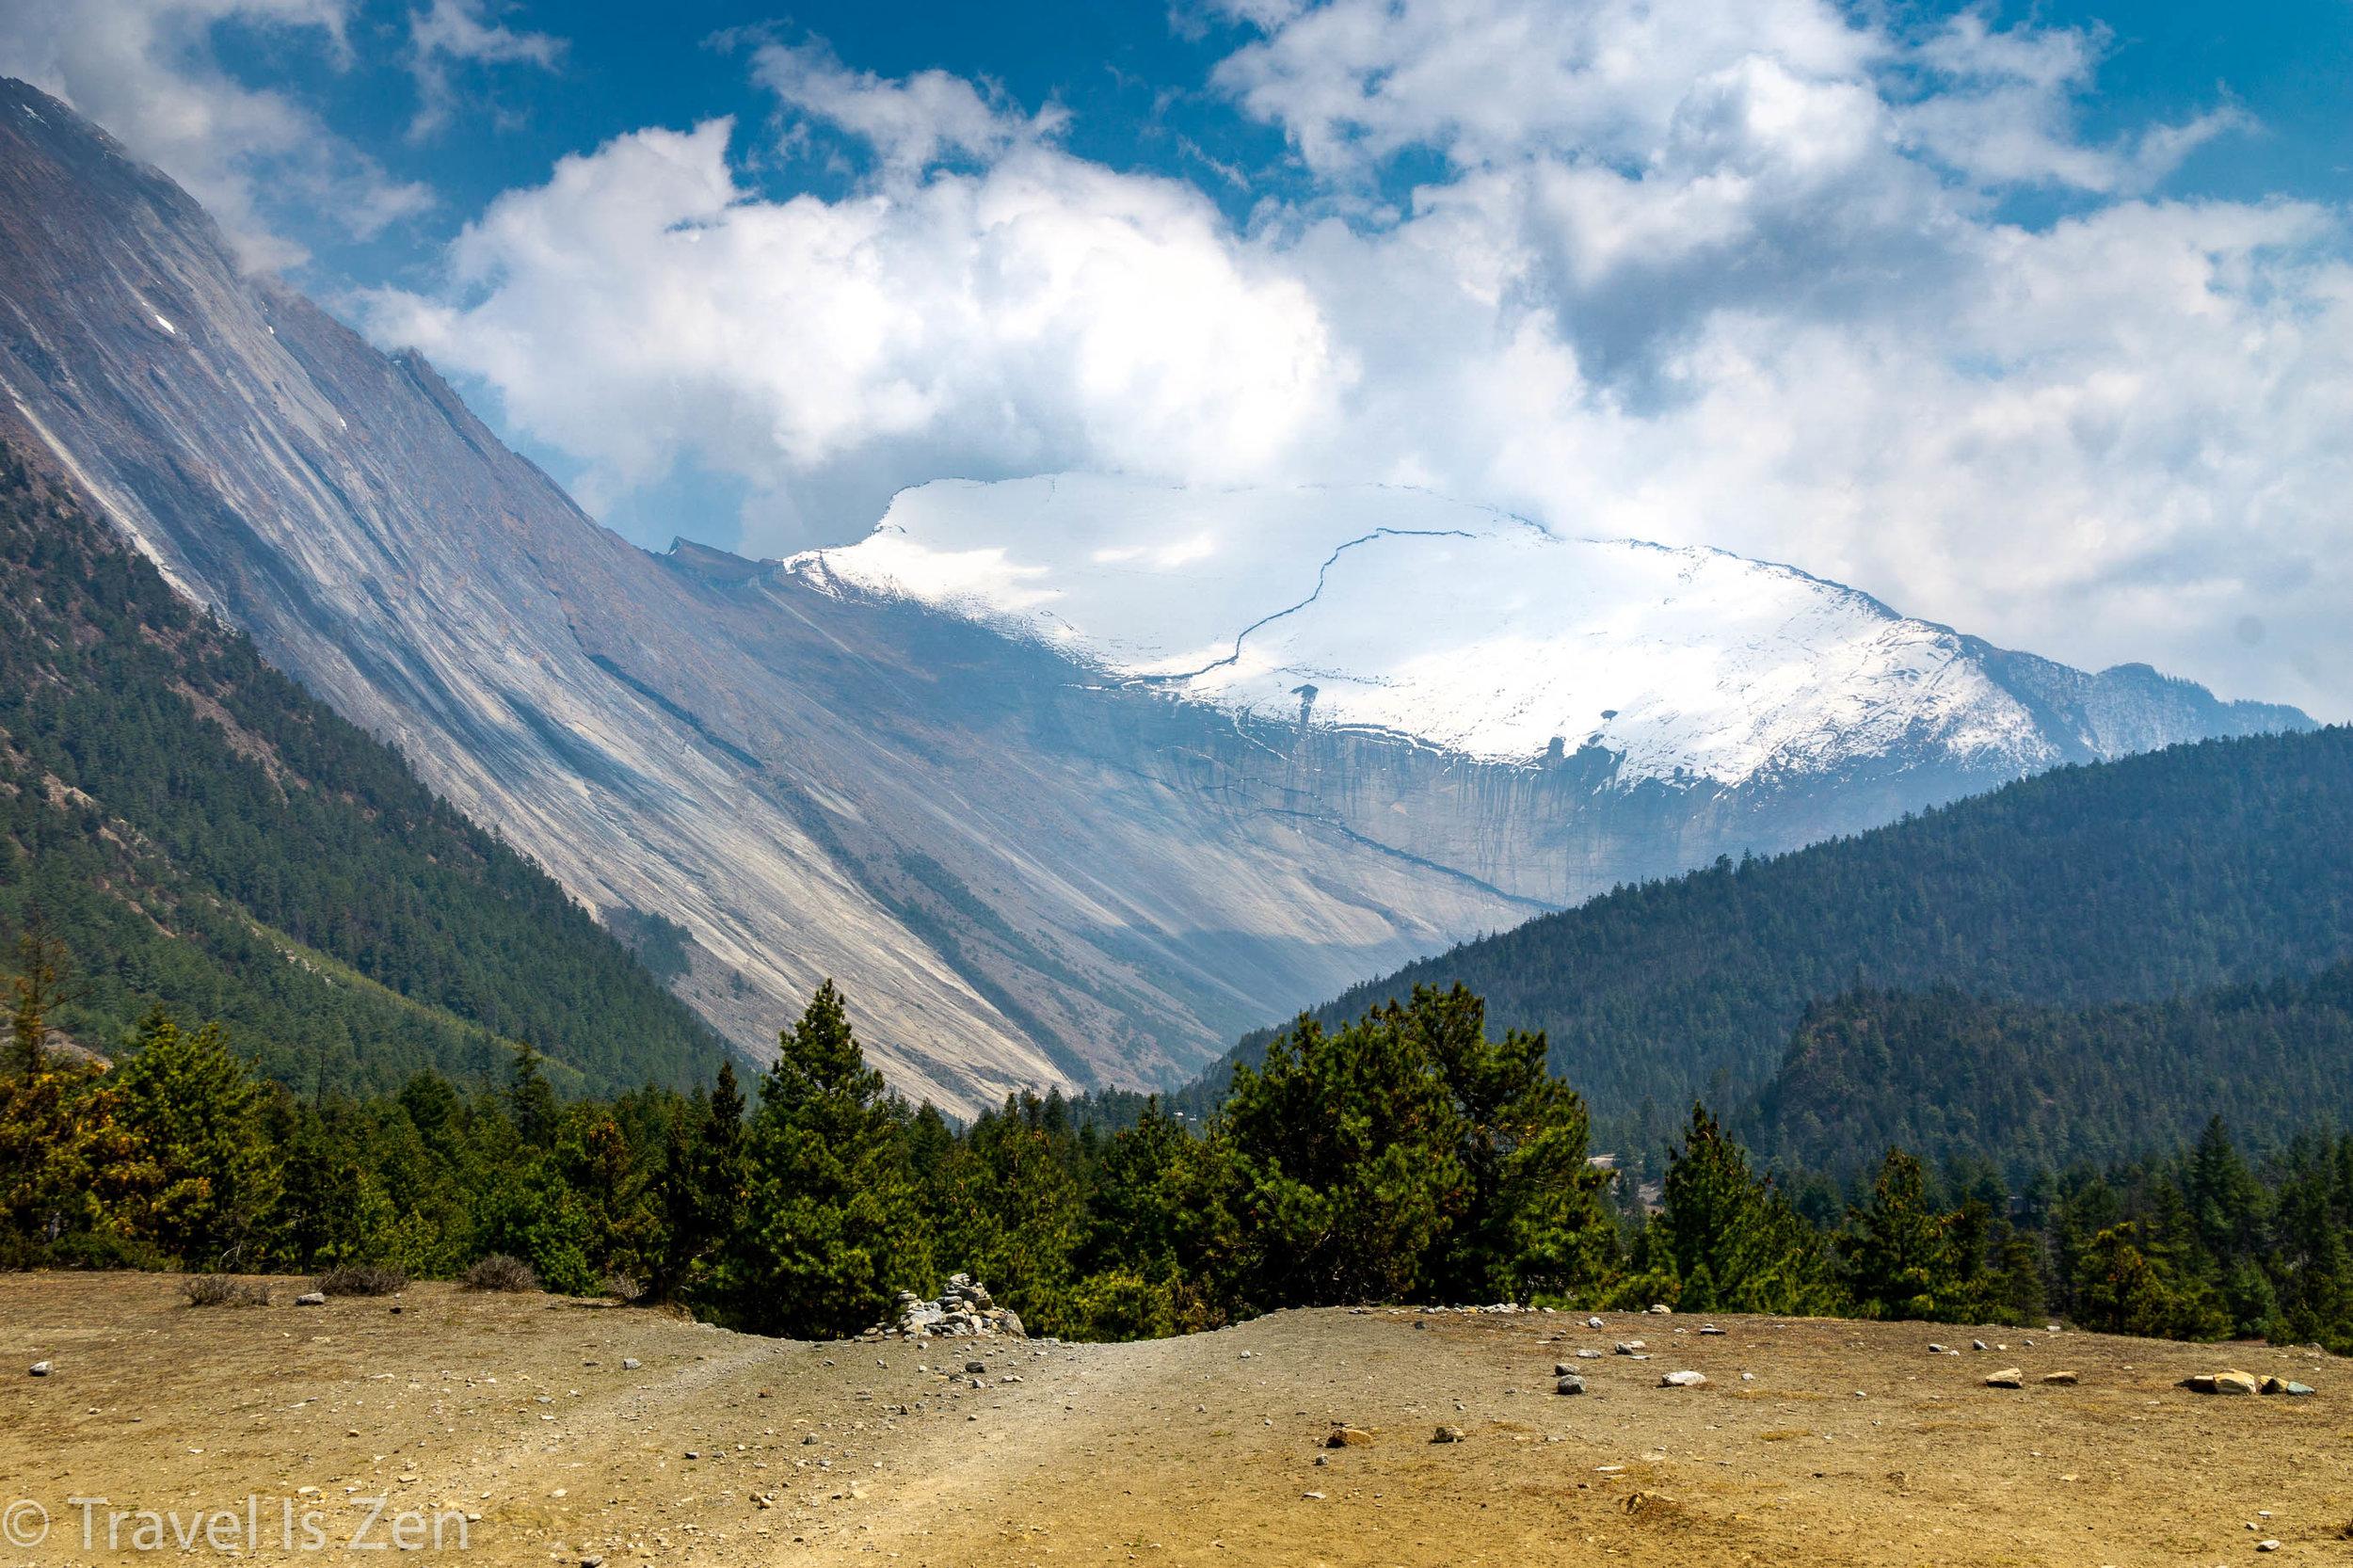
1852,1443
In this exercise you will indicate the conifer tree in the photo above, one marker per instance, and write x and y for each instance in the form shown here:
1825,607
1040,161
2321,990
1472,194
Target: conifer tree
830,1228
197,1108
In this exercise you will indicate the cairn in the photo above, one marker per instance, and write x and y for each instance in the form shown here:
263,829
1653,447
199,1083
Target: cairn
964,1310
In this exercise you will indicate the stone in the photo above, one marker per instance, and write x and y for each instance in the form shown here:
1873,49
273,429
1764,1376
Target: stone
807,1438
1569,1383
1563,1368
1936,1349
38,1369
311,1298
2235,1383
1683,1380
1347,1437
2198,1382
975,1369
1708,1329
1631,1347
2008,1377
631,1364
1245,1355
2068,1377
1009,1321
1593,1322
1661,1308
1589,1355
1976,1344
1446,1434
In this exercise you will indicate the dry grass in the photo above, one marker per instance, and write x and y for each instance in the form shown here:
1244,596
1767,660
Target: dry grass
500,1272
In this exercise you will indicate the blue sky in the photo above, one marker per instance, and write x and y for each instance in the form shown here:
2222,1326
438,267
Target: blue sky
2034,320
1135,79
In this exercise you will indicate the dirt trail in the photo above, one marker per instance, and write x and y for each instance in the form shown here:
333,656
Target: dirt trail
1846,1442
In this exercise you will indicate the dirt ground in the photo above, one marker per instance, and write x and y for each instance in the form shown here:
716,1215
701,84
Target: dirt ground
519,1418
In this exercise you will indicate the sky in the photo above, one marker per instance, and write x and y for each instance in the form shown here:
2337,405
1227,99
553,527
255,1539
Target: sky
2033,320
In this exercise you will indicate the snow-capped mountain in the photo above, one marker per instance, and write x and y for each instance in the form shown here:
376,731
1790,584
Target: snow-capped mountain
1091,852
1398,611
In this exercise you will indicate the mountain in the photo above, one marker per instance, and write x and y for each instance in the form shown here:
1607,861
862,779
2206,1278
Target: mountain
1950,1076
1029,858
1391,611
2218,863
201,835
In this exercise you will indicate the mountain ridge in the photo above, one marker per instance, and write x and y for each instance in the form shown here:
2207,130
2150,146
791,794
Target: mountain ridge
1022,874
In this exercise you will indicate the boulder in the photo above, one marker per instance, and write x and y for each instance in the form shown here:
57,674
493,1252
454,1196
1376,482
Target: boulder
1569,1383
1683,1380
2008,1377
2237,1383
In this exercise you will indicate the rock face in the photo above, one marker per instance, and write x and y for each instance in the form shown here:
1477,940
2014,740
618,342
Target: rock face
1023,865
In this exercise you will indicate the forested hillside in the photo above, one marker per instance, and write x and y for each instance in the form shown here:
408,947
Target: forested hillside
1952,1077
197,832
2173,873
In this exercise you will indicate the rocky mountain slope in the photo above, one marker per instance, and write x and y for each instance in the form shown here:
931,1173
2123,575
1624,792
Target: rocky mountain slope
1025,863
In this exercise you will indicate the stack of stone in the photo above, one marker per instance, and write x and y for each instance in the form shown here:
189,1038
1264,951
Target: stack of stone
964,1309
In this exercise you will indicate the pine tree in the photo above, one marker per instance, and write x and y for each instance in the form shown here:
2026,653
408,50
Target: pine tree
702,1185
197,1108
1735,1235
831,1229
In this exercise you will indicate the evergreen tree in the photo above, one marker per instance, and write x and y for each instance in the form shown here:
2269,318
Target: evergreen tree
1728,1241
197,1109
831,1230
702,1187
530,1099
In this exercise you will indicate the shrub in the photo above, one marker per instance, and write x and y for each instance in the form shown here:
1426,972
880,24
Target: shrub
622,1288
499,1271
225,1291
103,1250
362,1279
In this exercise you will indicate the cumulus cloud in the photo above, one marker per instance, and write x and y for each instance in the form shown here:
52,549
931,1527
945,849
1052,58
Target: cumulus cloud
1728,272
1041,314
144,69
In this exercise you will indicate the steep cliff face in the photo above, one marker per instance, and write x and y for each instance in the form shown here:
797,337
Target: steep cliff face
1023,864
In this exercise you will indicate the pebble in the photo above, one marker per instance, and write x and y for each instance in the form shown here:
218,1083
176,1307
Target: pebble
1683,1380
1571,1383
1316,1496
38,1369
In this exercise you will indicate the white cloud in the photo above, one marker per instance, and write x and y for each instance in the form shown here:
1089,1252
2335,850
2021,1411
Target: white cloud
1042,313
455,33
1724,272
144,70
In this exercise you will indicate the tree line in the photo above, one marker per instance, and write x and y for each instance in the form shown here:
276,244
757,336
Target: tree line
1407,1157
2170,872
214,840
